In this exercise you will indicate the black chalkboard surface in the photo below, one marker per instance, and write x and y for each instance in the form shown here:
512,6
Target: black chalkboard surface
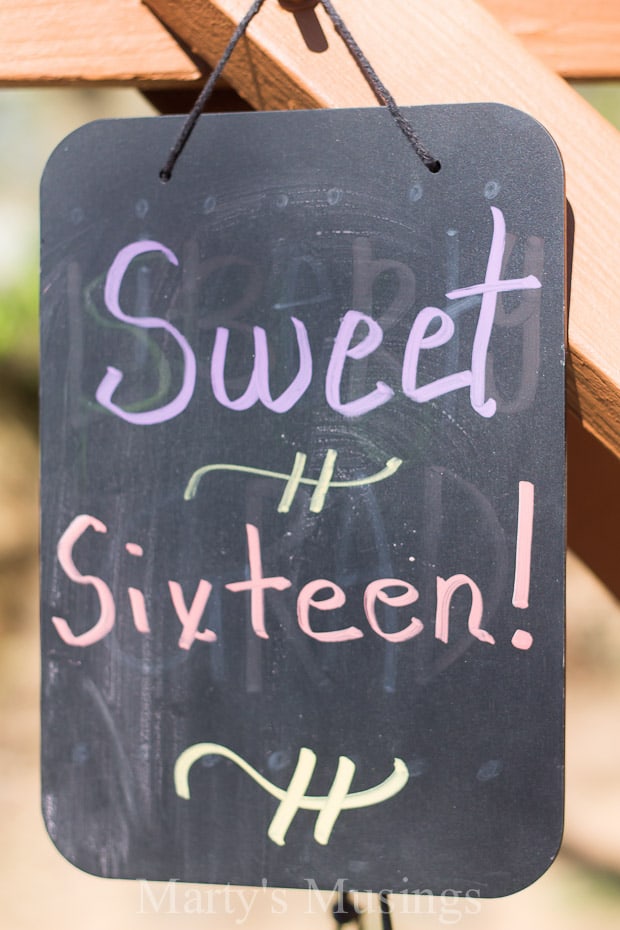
302,501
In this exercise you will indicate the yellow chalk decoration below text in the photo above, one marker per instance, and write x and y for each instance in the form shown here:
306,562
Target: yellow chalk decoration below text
294,798
295,478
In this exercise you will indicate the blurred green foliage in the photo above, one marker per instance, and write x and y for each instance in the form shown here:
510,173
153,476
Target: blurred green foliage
32,122
19,319
604,96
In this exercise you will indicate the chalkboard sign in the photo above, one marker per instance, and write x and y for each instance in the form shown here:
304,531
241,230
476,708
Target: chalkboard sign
303,501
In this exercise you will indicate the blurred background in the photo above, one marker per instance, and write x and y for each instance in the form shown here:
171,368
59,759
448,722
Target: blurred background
581,890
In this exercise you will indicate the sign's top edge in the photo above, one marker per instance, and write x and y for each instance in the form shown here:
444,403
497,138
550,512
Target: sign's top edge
499,111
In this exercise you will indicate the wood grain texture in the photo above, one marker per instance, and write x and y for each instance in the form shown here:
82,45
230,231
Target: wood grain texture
84,41
450,51
576,38
119,41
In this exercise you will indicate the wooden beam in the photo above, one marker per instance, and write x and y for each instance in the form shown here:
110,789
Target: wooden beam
593,504
576,38
85,41
121,42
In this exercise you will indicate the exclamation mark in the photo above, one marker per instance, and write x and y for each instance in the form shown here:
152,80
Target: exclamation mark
523,559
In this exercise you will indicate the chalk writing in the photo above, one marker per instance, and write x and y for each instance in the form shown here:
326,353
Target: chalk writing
113,376
332,598
321,485
294,798
523,560
346,346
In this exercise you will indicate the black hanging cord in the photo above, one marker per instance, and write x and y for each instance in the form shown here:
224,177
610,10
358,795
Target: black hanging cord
381,92
386,917
344,910
188,126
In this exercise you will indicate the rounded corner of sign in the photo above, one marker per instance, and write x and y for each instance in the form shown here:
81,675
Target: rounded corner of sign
60,150
68,855
534,125
540,867
86,135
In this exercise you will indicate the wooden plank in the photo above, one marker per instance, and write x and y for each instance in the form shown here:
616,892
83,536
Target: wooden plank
593,503
119,41
104,41
576,38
